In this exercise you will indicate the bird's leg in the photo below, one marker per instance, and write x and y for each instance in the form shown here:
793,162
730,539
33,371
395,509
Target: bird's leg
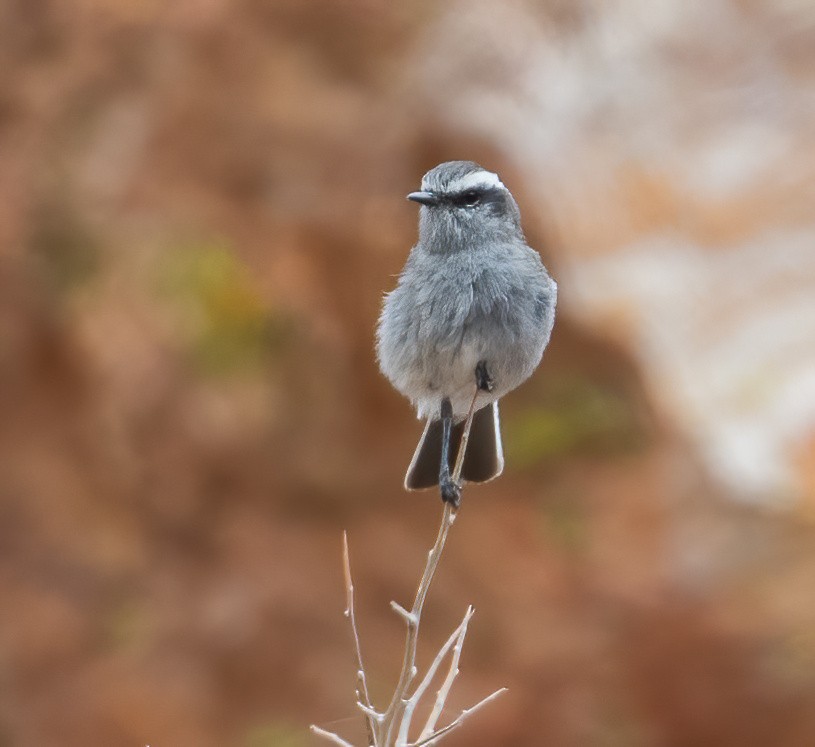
449,484
483,380
450,489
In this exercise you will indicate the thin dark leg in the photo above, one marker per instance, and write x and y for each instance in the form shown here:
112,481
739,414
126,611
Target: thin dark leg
483,379
450,491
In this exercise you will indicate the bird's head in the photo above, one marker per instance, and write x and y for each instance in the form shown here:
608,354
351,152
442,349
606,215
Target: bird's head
463,203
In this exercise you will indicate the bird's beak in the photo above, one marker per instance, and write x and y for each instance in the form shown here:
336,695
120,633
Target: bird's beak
425,198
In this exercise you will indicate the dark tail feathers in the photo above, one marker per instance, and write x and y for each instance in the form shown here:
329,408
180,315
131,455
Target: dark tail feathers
483,461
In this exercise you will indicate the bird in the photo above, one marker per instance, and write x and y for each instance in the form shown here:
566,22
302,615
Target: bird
468,321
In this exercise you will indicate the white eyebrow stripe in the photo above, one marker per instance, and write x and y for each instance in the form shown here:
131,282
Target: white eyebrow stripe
478,179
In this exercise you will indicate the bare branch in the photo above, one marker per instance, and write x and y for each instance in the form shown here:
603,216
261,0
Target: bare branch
393,714
408,617
456,638
465,438
330,736
362,690
458,721
452,673
371,713
394,723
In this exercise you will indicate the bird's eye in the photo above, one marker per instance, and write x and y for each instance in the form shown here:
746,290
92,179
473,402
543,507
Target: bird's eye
470,197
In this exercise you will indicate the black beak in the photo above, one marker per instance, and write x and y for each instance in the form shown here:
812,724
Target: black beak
425,198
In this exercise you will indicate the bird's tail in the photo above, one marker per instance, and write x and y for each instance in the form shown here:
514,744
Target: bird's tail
483,461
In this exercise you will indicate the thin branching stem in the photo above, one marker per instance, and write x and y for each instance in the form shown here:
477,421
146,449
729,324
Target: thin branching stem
392,715
362,682
458,721
455,639
330,736
391,727
465,439
452,673
395,710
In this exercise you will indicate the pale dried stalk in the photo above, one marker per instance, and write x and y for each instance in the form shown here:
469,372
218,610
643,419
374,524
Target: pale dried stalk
394,711
465,439
330,736
456,639
412,619
459,720
452,673
362,683
390,728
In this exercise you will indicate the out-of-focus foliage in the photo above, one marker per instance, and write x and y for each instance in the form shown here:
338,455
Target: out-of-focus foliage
276,735
221,313
575,416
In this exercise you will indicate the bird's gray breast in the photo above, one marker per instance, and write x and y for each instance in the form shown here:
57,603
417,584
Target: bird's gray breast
451,311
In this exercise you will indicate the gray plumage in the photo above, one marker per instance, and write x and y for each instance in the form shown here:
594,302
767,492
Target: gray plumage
471,292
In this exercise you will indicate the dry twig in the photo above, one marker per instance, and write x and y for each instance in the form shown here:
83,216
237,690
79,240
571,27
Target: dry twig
362,683
391,727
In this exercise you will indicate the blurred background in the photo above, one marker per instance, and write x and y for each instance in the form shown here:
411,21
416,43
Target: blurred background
201,204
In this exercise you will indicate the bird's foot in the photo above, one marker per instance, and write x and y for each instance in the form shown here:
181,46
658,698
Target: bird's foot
483,380
450,491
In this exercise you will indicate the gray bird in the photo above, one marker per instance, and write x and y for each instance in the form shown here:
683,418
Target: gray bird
467,322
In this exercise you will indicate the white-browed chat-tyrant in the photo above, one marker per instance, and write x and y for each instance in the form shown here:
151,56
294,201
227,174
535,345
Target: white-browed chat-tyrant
467,322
